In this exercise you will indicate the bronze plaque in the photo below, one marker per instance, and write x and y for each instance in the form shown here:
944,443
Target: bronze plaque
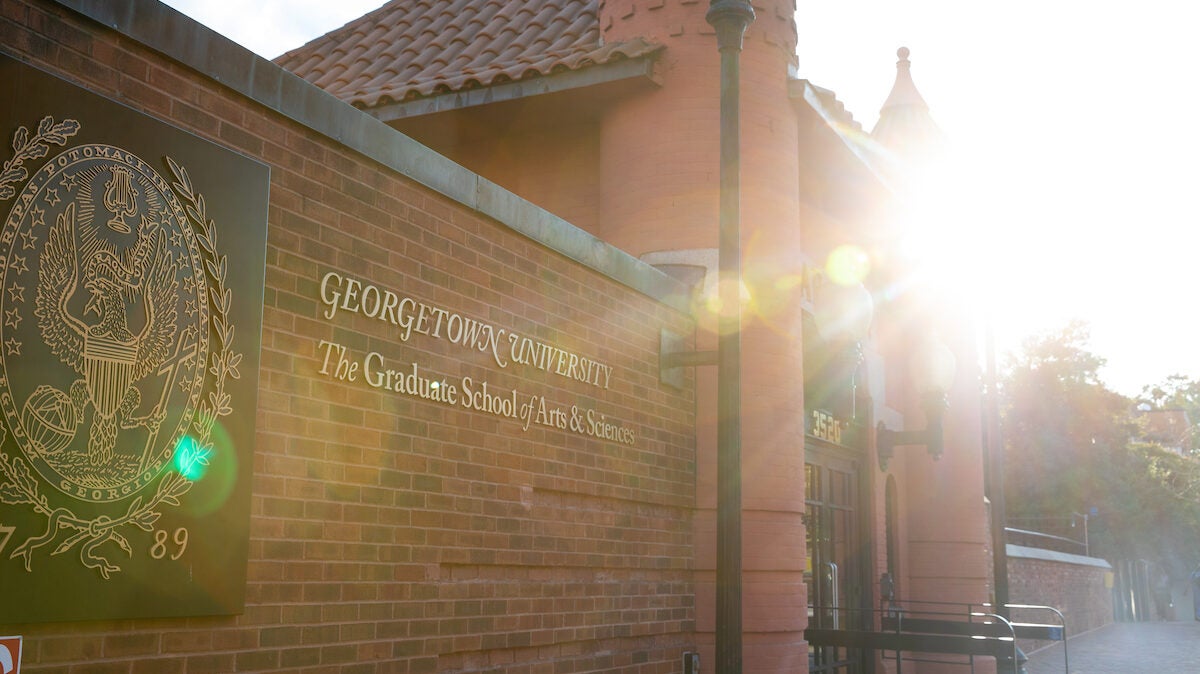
131,286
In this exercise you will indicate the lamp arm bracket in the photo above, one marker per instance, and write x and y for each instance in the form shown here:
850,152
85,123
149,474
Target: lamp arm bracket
689,359
887,440
885,437
673,357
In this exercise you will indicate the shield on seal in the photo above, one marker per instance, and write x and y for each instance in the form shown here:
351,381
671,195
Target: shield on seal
108,370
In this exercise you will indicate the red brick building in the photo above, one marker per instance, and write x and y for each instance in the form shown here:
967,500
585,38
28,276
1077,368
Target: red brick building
482,219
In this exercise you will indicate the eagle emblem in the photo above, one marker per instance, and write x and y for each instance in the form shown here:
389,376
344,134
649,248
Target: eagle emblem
109,356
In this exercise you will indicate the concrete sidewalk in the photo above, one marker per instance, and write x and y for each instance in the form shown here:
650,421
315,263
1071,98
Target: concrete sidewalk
1127,648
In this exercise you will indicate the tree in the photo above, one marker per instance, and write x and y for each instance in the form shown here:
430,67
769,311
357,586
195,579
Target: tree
1072,445
1174,392
1179,397
1061,426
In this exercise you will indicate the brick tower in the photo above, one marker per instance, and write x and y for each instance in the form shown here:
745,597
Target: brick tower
660,160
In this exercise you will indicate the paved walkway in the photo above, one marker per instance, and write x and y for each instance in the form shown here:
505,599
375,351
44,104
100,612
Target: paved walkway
1127,648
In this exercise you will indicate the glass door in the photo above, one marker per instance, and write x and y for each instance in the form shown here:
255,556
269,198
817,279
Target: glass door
833,570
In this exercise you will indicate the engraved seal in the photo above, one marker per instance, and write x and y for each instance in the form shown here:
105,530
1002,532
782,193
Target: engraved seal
104,322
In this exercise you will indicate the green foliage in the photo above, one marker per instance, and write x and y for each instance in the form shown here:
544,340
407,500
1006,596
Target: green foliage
1145,516
1060,424
1073,445
1176,393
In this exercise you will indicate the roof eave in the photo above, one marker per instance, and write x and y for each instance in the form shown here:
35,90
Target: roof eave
623,71
805,92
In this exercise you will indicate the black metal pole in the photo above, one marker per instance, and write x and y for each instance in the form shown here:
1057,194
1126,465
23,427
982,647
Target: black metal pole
995,489
730,19
995,447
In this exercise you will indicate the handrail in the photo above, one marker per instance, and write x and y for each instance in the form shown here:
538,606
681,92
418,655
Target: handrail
950,628
1039,534
1062,622
959,632
833,593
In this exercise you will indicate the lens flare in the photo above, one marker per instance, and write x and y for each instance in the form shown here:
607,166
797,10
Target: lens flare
191,460
848,265
212,468
712,301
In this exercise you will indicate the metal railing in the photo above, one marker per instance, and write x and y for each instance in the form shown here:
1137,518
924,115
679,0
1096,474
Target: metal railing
1038,539
1063,533
945,633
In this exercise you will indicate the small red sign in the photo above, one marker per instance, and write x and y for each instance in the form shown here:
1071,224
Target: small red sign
10,655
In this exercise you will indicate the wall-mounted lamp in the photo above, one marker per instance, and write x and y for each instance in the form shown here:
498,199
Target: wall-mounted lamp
842,312
933,375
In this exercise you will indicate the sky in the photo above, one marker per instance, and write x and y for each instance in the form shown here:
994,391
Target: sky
1073,190
1076,157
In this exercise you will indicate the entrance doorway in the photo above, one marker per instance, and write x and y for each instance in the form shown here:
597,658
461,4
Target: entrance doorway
834,566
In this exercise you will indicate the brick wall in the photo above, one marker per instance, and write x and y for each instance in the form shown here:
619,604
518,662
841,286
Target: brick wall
391,534
543,148
1071,583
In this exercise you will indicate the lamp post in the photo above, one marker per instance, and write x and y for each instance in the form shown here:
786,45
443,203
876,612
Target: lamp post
730,18
995,490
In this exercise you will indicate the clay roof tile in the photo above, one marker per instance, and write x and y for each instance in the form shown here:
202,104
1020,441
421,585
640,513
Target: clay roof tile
411,48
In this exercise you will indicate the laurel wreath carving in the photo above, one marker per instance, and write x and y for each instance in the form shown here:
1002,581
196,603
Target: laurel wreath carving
32,148
225,361
20,487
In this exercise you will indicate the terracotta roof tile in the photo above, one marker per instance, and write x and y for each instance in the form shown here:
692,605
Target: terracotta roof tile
411,48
